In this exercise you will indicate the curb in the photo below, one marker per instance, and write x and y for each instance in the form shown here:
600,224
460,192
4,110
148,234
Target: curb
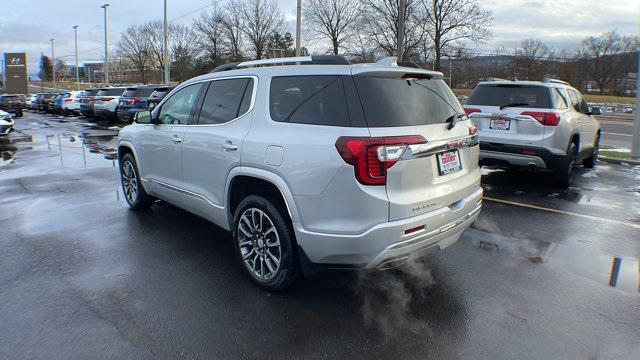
618,161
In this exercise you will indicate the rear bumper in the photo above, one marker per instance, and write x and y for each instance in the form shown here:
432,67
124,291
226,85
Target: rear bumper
512,155
104,113
387,245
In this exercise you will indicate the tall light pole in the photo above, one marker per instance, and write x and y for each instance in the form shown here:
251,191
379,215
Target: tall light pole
635,146
75,35
401,7
298,22
165,54
53,61
106,46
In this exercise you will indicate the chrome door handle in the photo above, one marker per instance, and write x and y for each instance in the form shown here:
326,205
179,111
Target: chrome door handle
229,146
175,139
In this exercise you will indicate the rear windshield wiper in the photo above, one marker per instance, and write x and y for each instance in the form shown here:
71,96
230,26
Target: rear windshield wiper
513,105
452,120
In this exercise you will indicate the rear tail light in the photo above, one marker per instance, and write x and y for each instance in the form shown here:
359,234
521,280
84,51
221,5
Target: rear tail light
544,118
135,101
105,98
68,100
371,157
471,111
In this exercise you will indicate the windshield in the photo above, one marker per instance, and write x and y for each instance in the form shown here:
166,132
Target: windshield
510,95
389,102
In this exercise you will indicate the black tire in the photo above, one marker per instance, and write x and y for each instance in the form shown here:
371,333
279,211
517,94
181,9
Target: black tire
288,270
564,173
590,162
19,114
130,179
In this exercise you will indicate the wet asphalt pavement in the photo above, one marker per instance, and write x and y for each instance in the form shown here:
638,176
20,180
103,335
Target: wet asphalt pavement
543,274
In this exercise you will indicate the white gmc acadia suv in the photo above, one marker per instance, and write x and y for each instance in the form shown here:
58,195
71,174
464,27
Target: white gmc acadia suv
317,164
539,125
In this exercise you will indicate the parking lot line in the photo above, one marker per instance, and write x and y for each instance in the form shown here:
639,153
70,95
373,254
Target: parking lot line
616,134
569,213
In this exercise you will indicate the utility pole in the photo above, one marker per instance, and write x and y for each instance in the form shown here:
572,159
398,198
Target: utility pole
635,147
298,24
401,7
106,46
75,33
53,62
165,55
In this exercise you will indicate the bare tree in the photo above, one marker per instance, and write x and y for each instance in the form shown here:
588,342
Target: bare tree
153,31
259,20
134,46
333,19
603,57
380,23
210,34
231,25
449,21
530,59
183,51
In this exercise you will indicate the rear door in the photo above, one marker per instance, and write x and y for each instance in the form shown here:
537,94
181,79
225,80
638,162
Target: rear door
584,121
398,104
506,114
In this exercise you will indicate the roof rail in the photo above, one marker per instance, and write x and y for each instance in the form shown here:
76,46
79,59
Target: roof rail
550,80
303,60
495,79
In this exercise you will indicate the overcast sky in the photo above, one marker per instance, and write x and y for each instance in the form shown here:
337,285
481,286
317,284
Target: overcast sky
27,25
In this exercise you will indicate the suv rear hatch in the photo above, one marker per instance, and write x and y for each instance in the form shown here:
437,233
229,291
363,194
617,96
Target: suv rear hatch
413,113
512,114
135,97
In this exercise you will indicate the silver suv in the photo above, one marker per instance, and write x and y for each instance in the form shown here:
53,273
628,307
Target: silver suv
540,125
311,165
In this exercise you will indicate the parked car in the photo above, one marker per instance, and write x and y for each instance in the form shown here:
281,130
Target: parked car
11,104
157,95
46,101
59,101
86,100
134,99
6,123
105,105
30,101
323,164
50,103
69,103
541,125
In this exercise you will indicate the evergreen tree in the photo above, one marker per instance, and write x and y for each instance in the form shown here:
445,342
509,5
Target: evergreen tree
46,68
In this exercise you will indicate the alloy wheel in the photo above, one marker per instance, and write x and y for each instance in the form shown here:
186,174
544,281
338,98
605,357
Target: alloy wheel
259,244
129,181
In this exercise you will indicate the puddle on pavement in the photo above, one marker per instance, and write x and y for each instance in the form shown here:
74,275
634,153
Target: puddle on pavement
622,273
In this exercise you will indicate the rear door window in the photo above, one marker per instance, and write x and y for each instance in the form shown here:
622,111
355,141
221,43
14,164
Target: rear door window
138,92
317,100
506,94
224,100
391,102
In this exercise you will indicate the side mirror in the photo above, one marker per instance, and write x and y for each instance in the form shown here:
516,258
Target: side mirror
595,110
142,117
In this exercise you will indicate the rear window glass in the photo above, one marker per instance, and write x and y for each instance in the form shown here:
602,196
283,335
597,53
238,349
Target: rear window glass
389,102
110,92
318,100
92,92
138,92
505,94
